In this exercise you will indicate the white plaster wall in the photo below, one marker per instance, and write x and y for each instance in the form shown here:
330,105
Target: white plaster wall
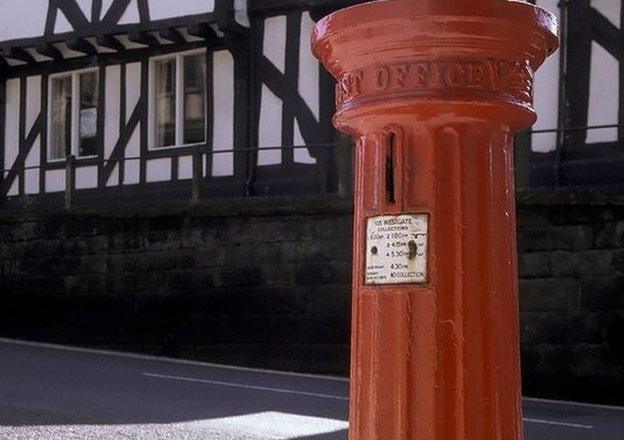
609,8
33,100
604,81
14,189
240,12
132,167
161,9
546,93
131,14
274,41
26,19
112,109
603,95
133,91
185,167
86,177
113,179
301,155
111,118
309,68
61,25
31,177
85,7
133,87
11,124
223,117
106,4
55,180
158,170
270,129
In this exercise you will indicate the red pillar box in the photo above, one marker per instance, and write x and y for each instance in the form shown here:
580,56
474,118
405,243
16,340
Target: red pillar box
433,91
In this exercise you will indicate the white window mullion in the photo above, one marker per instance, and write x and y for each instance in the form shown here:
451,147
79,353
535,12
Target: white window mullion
75,117
151,103
179,105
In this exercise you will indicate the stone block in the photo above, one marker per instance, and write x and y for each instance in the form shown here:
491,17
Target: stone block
323,273
122,242
603,292
190,279
160,240
562,327
545,294
327,329
540,238
534,264
580,214
609,235
326,299
239,276
320,250
582,263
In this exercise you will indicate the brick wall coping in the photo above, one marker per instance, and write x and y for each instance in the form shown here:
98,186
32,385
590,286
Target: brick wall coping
299,205
247,206
610,196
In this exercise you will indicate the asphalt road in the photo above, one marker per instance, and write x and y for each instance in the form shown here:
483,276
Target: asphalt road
55,393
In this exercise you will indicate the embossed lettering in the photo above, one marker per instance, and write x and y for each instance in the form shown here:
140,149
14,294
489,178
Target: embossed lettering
421,71
491,75
434,79
399,76
382,78
455,75
476,75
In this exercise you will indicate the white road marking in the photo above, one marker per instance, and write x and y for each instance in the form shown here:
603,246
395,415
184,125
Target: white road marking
274,372
242,385
327,396
579,404
554,423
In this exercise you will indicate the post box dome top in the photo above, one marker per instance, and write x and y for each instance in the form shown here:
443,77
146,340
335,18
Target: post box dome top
436,26
475,53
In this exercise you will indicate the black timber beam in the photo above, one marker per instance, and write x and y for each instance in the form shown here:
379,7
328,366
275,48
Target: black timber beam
81,45
204,31
269,7
48,50
18,54
173,35
110,42
144,38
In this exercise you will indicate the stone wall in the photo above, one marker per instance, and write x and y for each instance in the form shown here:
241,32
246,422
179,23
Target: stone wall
571,246
261,282
265,282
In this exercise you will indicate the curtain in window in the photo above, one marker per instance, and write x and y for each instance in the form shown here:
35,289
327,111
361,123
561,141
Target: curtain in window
165,102
60,118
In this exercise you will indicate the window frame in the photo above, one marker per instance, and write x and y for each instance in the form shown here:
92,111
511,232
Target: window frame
75,113
179,99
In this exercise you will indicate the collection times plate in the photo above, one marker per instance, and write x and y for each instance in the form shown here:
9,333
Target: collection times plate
396,249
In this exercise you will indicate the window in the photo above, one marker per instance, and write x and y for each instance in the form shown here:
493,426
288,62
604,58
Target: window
178,108
73,122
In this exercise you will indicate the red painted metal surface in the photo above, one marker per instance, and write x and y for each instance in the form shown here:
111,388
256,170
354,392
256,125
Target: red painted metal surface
438,88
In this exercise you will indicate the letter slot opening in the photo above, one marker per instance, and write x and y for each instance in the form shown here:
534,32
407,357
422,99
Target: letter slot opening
390,166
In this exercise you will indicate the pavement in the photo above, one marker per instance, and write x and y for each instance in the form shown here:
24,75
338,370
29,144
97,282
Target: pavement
53,393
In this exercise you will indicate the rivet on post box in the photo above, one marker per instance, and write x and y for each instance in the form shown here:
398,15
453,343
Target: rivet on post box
433,92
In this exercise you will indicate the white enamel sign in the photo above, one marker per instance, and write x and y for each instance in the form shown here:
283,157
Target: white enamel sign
396,249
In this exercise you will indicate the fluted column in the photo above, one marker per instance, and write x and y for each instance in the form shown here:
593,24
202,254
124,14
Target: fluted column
433,91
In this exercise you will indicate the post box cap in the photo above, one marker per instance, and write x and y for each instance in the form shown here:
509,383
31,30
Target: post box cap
477,53
439,23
